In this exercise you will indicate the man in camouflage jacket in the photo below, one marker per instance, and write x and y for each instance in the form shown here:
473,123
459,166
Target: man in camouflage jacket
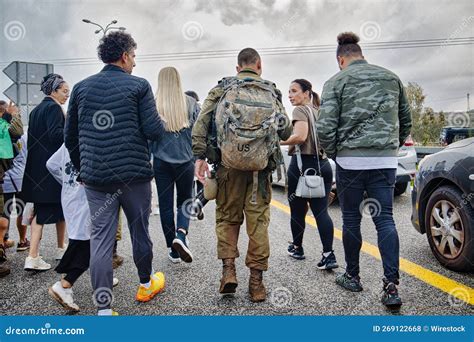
364,119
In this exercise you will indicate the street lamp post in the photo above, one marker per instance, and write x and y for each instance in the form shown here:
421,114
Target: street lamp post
107,28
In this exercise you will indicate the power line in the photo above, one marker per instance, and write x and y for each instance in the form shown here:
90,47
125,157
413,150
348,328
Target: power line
308,49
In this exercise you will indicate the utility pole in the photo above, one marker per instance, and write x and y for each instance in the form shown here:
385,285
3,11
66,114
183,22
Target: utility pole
468,106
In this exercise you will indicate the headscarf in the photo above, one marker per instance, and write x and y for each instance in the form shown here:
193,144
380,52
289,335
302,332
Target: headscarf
51,83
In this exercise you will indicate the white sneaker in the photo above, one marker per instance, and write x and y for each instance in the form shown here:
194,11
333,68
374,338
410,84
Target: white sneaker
60,252
115,282
63,296
36,264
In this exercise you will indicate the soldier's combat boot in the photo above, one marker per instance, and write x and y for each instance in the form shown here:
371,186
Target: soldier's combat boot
229,278
257,290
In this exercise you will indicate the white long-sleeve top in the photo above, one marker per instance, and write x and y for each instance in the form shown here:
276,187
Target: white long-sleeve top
73,196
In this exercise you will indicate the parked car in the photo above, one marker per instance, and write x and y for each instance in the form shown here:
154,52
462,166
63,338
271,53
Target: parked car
450,134
443,204
405,171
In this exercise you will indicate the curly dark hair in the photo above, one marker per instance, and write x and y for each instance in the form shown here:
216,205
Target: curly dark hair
113,45
348,44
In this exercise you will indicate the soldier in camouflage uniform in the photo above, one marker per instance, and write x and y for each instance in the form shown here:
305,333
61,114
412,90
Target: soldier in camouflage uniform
235,187
364,119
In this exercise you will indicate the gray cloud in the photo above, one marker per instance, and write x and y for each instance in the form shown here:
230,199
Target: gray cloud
54,30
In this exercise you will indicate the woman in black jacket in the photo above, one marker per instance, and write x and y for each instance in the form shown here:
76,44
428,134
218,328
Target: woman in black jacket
45,137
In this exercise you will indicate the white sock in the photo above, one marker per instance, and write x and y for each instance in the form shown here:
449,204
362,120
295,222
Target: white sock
146,285
104,312
327,254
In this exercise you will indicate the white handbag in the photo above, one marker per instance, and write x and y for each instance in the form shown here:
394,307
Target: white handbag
310,186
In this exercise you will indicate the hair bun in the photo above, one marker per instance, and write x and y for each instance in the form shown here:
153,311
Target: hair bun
347,38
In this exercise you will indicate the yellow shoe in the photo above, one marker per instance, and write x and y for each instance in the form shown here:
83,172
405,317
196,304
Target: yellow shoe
115,313
157,285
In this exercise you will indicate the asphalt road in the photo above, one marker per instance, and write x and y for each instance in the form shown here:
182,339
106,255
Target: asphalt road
295,287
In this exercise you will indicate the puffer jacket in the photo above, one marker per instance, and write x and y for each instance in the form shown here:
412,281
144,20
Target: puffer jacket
110,117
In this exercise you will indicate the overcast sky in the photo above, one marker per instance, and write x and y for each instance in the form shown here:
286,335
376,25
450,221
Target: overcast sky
45,30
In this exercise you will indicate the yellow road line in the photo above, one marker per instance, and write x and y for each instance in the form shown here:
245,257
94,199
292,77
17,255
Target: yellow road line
452,287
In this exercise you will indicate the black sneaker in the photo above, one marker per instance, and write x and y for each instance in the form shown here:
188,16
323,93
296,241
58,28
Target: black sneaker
180,244
296,252
291,247
173,255
328,263
390,296
350,283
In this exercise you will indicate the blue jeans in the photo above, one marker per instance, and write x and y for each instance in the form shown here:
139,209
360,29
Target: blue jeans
167,175
379,185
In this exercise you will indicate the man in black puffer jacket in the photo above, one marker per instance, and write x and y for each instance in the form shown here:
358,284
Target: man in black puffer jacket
111,116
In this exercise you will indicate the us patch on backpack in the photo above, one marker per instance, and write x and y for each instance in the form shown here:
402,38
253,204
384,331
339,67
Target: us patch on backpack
246,120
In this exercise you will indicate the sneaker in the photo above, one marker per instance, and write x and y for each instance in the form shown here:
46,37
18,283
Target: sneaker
157,284
3,253
390,296
107,312
115,282
117,261
348,282
328,262
9,243
173,255
23,246
180,244
63,296
60,252
291,248
296,252
4,271
36,264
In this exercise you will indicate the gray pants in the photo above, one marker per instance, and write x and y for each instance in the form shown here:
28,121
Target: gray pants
104,202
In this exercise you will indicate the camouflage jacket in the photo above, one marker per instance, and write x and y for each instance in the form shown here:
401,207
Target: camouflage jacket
204,144
364,112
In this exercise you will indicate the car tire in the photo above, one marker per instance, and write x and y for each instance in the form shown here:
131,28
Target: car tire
452,253
400,188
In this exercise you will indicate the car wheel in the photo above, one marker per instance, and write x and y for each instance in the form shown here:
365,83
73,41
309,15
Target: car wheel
400,188
449,222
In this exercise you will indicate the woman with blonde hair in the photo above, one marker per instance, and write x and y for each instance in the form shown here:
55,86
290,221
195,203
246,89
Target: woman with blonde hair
173,162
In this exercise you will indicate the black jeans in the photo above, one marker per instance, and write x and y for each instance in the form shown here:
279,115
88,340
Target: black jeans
166,176
319,206
379,185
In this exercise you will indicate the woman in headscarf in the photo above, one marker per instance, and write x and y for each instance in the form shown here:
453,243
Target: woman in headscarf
45,137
